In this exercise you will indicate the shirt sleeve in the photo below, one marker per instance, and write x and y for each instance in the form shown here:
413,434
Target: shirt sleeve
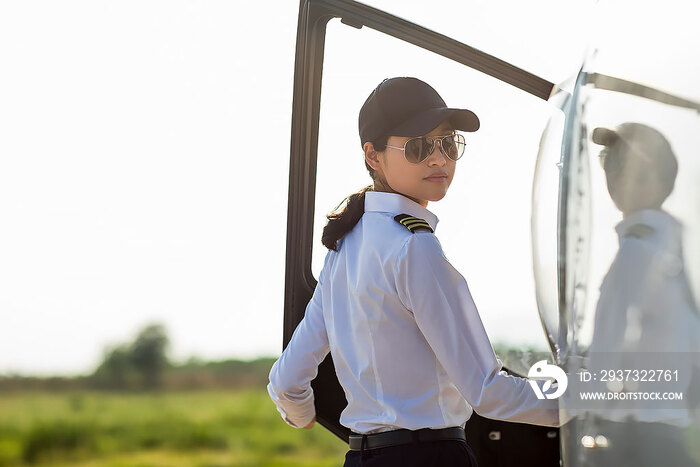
439,298
622,293
291,375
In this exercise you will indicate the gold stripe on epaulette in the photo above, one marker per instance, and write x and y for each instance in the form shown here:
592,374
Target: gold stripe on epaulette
639,231
412,223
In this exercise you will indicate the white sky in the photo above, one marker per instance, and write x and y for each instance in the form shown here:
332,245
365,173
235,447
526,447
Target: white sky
144,156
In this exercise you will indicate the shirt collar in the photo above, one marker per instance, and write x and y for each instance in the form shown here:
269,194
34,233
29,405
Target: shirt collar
658,220
396,203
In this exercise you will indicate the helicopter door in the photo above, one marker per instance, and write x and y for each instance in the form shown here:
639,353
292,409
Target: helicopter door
358,45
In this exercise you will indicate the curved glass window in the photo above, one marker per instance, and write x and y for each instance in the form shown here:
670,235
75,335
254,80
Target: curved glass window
545,202
628,275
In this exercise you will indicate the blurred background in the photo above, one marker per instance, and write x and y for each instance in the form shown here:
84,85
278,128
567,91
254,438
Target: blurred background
144,156
143,179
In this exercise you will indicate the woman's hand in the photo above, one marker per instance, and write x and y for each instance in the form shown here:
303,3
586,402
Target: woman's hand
311,424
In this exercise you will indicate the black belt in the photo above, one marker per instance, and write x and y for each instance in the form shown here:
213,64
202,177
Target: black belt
403,436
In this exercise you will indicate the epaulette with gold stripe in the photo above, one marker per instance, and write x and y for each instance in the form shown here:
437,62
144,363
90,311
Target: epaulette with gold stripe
412,223
639,231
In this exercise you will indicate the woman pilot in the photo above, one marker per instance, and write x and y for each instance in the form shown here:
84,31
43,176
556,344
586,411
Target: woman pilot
407,341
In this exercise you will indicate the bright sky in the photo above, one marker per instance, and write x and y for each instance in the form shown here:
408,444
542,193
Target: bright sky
144,156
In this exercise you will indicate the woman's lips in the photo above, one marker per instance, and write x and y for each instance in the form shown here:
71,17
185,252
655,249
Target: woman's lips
437,179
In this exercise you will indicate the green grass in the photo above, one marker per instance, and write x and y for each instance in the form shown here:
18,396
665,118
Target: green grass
194,428
174,429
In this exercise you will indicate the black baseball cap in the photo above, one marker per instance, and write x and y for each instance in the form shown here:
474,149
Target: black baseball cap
647,143
642,145
407,106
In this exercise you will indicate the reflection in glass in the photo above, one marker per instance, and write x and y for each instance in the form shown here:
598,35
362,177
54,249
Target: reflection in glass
630,144
632,151
646,311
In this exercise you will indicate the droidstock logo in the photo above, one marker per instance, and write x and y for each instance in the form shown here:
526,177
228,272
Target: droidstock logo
548,373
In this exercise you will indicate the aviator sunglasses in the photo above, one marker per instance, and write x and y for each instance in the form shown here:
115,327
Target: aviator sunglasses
417,149
613,158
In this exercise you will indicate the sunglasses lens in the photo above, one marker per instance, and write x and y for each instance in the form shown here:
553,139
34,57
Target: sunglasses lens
612,161
453,146
417,149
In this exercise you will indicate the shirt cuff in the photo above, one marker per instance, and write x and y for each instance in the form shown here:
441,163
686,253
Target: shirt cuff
296,411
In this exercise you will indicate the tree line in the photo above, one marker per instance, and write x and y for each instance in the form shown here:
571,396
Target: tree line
143,364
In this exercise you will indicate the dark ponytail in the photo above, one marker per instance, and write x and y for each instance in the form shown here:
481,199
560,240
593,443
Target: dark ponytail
340,223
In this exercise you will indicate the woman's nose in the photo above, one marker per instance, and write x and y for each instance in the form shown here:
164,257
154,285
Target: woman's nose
437,156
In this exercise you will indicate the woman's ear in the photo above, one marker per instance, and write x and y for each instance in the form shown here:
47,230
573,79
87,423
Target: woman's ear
371,156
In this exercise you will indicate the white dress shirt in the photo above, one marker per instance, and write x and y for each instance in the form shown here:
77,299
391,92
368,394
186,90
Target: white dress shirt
407,341
646,311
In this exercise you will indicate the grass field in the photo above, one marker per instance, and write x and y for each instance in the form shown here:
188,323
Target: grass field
194,428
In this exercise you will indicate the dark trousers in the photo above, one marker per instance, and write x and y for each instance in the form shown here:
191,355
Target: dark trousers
443,453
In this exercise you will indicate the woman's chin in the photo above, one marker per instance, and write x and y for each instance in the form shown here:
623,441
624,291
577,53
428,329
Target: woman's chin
436,196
